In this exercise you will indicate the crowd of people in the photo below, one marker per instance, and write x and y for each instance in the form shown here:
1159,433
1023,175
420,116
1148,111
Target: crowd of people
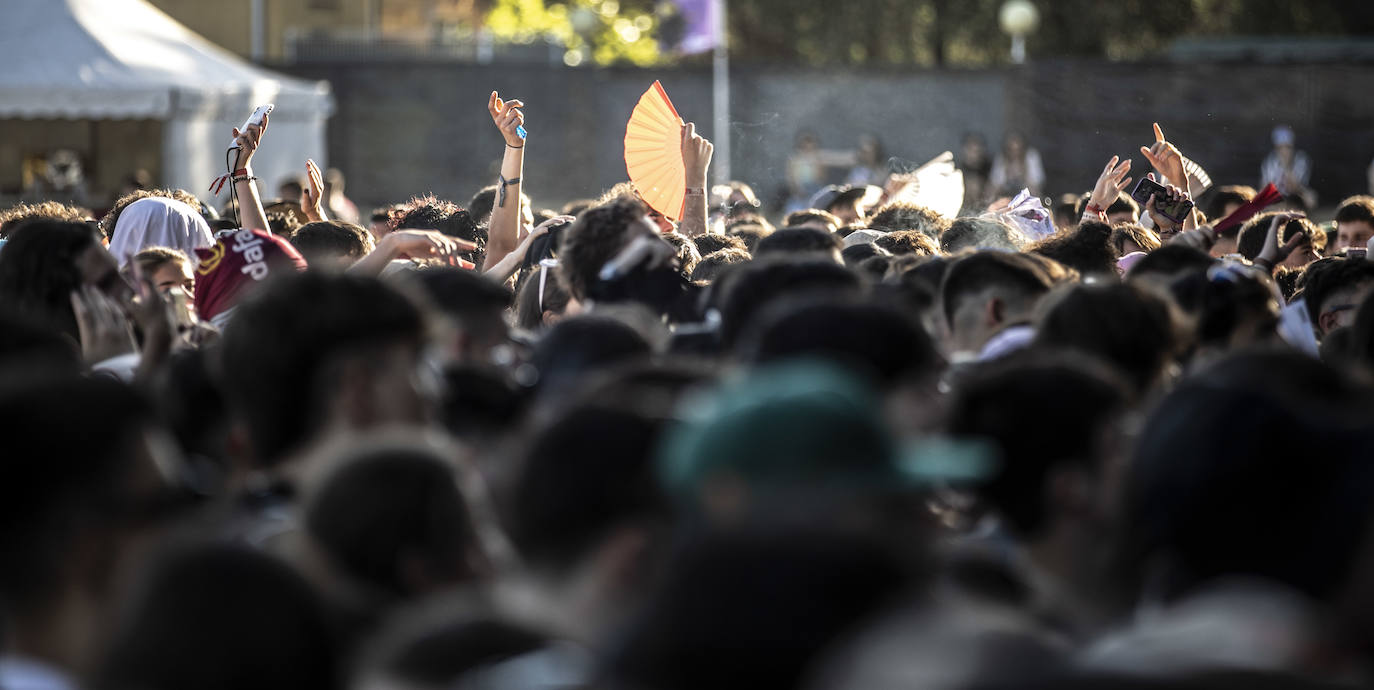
1110,443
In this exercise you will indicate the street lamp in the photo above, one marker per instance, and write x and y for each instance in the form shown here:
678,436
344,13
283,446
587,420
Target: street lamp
1018,19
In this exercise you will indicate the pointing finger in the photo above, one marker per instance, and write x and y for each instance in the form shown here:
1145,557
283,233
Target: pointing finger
1159,133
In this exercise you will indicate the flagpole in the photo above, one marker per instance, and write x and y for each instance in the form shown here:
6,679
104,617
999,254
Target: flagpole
720,87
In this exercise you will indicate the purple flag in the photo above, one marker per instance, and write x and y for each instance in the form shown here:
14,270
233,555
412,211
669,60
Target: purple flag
700,31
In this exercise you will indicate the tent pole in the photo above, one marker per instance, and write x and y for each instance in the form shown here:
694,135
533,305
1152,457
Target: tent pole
720,82
258,29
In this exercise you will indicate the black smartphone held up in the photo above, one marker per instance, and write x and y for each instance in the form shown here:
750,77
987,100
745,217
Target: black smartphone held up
1175,211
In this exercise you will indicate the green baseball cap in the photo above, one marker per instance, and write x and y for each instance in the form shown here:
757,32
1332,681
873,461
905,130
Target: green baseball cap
805,424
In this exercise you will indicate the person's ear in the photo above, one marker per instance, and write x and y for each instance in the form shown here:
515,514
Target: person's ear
1328,321
994,312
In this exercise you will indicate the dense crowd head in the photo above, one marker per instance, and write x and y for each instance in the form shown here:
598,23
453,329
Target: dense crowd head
886,430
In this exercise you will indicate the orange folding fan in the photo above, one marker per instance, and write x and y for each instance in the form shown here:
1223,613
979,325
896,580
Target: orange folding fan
653,153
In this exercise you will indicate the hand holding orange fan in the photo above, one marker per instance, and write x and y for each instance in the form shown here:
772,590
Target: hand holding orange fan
653,153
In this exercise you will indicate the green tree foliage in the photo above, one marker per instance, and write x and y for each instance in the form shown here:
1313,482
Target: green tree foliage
961,33
603,32
966,32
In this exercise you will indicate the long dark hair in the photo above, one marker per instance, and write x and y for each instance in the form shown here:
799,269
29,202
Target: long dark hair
39,271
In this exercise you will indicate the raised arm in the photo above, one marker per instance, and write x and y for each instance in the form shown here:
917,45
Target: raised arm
696,160
251,214
1110,184
312,196
1167,160
503,230
416,244
502,270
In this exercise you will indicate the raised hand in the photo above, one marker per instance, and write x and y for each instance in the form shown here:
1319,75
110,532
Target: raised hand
312,195
1166,159
430,244
102,325
248,141
543,228
508,118
1172,195
1111,183
1274,253
696,155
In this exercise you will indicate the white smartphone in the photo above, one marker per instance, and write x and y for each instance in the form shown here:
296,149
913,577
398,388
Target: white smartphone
255,119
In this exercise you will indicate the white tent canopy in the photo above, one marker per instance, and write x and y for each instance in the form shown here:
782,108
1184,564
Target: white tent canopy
125,59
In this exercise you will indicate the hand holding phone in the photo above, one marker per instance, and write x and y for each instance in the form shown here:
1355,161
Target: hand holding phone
257,118
1168,202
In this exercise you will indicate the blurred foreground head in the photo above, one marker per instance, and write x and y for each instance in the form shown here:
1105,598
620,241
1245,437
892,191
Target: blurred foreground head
220,616
314,352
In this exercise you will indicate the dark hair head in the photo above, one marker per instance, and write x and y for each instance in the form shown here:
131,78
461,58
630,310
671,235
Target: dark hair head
908,242
150,259
798,241
1328,278
390,519
1124,204
712,265
898,216
748,219
764,602
479,403
1169,261
269,630
876,341
750,288
1224,304
1250,241
812,217
284,217
431,213
598,235
482,203
1224,196
1086,249
29,347
72,453
750,234
710,243
981,233
39,270
1144,238
856,255
1020,404
282,341
1014,275
327,242
1356,209
10,218
1236,503
580,477
474,302
1119,323
537,296
581,345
